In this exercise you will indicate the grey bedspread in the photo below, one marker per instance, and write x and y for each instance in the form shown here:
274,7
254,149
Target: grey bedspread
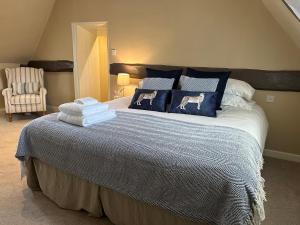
205,173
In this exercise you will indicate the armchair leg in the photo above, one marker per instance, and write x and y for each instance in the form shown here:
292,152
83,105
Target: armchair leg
9,117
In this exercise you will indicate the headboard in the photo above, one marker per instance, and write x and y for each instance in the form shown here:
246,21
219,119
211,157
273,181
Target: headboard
259,79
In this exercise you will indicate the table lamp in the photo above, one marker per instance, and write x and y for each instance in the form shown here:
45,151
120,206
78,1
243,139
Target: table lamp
122,81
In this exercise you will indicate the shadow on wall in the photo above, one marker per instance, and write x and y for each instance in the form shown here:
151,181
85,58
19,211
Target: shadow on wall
60,88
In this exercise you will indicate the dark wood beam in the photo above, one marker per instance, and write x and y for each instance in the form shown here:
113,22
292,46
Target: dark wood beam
52,65
259,79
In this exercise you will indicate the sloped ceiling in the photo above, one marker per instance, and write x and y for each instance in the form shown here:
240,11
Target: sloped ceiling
22,23
285,18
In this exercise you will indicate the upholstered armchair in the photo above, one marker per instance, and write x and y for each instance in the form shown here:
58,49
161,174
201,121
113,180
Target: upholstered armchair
25,91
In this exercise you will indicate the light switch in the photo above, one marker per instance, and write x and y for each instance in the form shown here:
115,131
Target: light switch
270,98
113,52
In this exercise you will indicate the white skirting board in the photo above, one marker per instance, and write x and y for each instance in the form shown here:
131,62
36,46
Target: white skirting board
282,155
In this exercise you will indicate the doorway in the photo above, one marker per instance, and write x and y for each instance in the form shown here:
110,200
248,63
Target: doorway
91,61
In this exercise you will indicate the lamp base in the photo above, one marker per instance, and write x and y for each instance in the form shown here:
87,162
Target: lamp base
121,91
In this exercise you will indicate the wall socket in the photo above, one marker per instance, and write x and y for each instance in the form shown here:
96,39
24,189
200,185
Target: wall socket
270,98
113,52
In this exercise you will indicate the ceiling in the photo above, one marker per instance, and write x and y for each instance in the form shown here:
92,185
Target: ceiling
22,23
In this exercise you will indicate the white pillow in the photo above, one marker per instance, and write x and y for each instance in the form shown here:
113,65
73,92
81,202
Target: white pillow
237,101
239,88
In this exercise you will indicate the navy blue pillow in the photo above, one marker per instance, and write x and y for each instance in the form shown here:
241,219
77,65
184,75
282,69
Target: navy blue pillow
223,77
165,74
153,100
194,103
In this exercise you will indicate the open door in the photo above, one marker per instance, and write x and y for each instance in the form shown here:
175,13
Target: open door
91,64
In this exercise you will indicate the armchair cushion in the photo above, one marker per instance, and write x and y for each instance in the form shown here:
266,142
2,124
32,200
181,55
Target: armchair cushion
25,99
18,88
32,88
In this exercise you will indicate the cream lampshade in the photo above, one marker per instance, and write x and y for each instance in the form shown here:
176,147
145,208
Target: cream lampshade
123,79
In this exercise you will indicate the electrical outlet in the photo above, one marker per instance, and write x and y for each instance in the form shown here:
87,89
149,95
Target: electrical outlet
270,98
113,52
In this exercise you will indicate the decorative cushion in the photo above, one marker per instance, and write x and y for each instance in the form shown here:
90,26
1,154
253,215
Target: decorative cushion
25,99
32,88
237,101
153,100
158,83
194,103
239,88
198,84
222,76
18,88
165,74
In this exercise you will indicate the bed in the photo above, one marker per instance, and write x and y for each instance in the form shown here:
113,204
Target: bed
147,167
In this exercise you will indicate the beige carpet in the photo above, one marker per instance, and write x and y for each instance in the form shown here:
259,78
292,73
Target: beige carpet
19,206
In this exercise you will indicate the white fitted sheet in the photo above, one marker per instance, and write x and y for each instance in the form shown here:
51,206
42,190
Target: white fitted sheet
252,121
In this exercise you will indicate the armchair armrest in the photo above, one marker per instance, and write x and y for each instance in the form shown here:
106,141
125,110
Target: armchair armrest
43,91
7,92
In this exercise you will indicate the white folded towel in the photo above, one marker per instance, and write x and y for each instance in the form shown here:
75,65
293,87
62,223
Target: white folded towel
85,121
86,101
75,109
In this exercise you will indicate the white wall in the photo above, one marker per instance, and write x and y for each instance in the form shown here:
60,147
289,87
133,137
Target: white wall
88,69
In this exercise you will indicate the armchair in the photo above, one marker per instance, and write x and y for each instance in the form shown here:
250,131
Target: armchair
24,102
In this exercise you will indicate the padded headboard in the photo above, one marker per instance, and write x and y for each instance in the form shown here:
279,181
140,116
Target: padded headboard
259,79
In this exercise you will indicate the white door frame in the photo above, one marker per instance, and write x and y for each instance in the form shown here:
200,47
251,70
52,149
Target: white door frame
74,43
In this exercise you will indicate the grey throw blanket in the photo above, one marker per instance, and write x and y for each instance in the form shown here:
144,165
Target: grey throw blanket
205,173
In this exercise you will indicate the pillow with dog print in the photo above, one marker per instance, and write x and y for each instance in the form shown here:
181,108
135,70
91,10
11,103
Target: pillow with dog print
194,103
153,100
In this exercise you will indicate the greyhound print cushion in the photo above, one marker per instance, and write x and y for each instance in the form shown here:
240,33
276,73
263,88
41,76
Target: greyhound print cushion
194,103
153,100
158,83
222,76
165,74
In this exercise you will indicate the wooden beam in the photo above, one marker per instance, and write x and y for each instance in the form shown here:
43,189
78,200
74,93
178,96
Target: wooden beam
52,65
259,79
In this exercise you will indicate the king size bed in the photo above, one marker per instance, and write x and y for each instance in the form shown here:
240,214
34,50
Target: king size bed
146,167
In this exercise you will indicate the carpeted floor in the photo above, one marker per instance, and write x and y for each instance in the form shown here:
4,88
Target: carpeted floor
20,206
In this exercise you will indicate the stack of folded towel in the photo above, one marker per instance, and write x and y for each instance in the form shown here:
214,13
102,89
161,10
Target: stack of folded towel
85,112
